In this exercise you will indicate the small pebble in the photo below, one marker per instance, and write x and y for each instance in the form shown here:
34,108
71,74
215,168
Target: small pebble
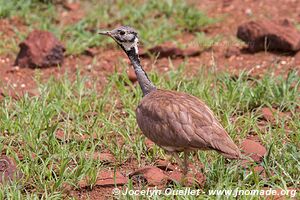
89,67
283,62
248,11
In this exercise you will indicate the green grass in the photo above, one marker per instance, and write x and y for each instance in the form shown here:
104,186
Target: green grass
204,42
157,21
28,127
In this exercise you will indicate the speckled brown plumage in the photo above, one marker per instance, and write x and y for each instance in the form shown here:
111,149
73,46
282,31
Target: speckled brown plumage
173,120
180,122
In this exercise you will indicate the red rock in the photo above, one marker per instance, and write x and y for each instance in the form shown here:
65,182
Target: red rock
131,75
270,113
153,175
110,178
105,178
253,149
8,170
269,35
267,114
40,49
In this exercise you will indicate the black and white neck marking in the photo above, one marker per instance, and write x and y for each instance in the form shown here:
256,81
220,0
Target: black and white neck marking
129,45
131,49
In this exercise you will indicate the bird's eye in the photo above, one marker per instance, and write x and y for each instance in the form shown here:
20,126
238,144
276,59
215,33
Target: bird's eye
122,32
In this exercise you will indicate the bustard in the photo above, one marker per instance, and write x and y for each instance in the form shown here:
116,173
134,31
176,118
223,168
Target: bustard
175,121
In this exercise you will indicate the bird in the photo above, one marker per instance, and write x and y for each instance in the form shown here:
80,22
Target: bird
175,121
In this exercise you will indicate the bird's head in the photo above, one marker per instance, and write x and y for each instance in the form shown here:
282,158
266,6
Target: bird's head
125,36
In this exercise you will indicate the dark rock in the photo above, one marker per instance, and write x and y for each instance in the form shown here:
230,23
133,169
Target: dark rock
40,49
269,36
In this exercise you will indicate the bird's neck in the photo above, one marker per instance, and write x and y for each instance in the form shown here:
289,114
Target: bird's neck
145,83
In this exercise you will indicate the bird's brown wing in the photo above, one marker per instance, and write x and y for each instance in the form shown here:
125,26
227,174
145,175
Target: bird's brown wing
180,121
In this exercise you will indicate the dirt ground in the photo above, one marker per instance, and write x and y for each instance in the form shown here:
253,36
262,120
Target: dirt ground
228,55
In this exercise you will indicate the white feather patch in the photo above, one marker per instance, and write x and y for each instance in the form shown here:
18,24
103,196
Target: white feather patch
128,45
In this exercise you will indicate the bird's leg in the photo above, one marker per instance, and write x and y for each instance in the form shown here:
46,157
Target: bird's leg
178,160
169,157
185,164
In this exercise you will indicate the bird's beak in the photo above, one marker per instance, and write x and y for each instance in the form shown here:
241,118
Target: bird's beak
104,33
